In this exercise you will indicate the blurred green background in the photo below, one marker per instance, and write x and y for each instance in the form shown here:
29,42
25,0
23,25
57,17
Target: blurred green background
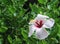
16,14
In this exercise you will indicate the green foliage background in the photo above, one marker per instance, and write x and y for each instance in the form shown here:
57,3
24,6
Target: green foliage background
14,22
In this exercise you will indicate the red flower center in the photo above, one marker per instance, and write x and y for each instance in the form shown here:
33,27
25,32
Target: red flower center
39,23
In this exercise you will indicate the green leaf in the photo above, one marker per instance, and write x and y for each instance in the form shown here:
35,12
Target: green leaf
17,40
43,1
3,29
24,33
10,39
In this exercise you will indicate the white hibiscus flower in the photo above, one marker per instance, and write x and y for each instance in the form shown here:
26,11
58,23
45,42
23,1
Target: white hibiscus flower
38,26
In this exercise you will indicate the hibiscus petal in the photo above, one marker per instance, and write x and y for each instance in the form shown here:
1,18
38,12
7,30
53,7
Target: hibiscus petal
49,23
39,16
31,30
41,34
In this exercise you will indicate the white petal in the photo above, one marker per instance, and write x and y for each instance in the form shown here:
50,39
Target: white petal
39,16
41,34
49,23
31,30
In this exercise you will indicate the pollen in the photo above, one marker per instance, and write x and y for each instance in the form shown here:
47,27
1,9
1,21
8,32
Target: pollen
32,21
